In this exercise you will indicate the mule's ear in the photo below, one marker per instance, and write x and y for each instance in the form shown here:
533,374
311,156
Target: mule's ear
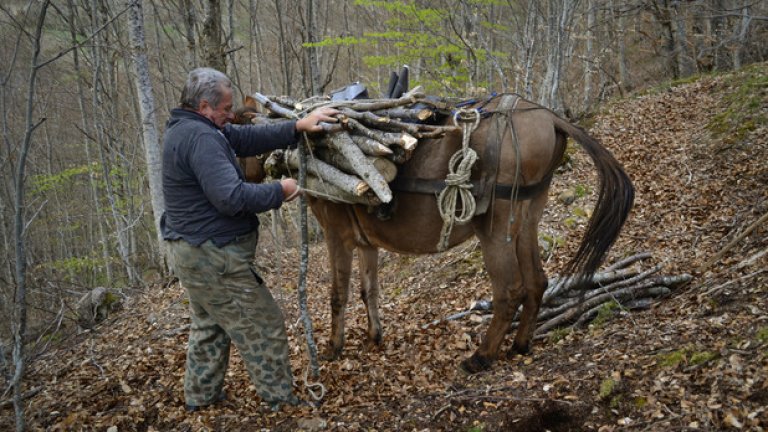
250,102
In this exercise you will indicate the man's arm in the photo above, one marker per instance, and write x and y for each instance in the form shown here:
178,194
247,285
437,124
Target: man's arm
221,184
252,140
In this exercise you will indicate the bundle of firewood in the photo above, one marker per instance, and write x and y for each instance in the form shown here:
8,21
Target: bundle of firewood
356,158
621,286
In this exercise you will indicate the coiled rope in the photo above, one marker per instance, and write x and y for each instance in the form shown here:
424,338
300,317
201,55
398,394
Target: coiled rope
457,193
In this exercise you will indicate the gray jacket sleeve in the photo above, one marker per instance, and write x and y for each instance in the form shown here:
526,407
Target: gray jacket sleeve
212,163
251,140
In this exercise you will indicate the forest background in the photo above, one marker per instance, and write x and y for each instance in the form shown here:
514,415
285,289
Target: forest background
86,86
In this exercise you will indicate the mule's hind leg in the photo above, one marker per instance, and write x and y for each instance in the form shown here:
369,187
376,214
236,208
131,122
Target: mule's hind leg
368,259
501,261
534,278
340,260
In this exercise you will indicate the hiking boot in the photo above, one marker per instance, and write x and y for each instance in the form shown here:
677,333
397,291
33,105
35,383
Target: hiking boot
194,408
293,401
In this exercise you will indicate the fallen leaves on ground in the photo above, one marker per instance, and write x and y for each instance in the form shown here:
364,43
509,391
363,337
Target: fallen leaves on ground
694,361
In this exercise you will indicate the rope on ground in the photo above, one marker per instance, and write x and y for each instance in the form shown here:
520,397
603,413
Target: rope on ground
458,189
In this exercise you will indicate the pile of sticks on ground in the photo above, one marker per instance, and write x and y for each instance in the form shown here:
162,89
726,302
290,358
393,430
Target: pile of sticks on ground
356,158
621,286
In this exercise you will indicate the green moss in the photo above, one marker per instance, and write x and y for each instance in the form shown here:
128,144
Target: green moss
480,427
559,334
605,313
110,298
640,402
580,212
702,357
570,222
688,355
743,103
685,80
581,190
671,359
607,388
762,335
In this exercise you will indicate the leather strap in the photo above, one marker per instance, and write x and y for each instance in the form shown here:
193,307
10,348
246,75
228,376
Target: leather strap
502,191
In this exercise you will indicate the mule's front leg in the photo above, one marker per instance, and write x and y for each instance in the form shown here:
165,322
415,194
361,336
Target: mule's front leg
369,290
340,259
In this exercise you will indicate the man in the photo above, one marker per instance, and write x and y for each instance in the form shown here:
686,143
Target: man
211,227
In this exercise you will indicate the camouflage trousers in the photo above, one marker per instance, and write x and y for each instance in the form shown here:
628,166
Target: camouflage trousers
229,303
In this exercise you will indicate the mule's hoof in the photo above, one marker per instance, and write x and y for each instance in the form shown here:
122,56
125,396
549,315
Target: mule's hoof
372,345
374,342
475,364
519,349
330,354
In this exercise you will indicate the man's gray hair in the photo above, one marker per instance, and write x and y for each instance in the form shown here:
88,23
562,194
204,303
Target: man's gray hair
204,84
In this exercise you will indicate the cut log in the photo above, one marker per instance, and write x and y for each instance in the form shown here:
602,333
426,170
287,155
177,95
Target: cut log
403,140
343,143
324,190
370,146
327,172
274,107
404,113
386,167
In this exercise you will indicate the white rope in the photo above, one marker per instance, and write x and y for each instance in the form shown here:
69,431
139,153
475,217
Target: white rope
310,385
458,189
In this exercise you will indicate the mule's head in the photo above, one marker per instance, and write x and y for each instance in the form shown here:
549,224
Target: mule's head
253,167
249,113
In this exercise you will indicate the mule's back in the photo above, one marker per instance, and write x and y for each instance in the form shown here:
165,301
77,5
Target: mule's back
414,223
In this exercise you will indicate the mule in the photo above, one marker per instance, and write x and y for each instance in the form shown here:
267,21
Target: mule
520,145
519,149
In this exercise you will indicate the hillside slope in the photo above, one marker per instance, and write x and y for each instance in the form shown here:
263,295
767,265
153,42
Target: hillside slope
698,154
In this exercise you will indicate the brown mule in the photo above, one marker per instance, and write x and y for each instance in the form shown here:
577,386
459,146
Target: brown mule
514,264
529,132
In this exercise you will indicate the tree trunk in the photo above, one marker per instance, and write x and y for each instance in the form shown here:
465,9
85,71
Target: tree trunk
314,64
682,50
561,13
98,120
589,55
188,12
104,242
20,301
625,81
530,46
148,122
213,52
740,34
283,48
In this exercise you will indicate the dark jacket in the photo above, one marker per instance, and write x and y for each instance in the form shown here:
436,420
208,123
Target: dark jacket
205,193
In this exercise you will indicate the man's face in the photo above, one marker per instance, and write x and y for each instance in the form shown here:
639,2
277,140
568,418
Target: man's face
221,114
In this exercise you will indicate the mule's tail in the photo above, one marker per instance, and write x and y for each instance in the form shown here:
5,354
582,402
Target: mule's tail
614,201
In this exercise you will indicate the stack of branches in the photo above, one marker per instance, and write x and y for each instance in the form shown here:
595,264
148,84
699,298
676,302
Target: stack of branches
621,286
356,158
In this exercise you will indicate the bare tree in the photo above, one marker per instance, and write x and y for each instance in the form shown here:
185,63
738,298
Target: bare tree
213,49
312,60
560,16
147,107
20,302
188,12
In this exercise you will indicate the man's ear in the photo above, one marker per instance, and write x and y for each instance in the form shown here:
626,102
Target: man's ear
204,106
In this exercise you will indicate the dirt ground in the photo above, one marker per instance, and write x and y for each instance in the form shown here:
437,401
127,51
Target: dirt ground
696,360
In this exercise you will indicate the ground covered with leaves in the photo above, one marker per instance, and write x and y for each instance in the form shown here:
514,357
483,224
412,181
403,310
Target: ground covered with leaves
697,360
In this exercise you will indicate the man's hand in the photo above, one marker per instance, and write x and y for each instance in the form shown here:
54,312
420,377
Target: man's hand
291,189
311,123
